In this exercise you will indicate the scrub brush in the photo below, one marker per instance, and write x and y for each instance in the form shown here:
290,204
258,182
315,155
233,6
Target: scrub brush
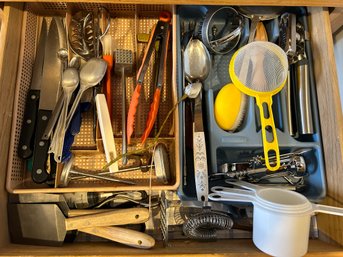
230,107
107,56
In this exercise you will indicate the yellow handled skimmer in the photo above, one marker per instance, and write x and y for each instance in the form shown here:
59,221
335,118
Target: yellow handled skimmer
259,69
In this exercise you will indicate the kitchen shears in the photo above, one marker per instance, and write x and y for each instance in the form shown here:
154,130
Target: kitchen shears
161,33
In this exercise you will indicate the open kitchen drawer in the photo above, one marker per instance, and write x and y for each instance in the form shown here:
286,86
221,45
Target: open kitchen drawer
332,135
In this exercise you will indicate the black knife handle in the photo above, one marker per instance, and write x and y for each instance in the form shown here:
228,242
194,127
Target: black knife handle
41,147
25,147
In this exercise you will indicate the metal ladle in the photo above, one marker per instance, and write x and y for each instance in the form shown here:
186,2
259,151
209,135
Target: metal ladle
91,74
197,64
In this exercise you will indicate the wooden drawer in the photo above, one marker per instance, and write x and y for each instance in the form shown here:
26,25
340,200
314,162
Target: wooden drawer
331,125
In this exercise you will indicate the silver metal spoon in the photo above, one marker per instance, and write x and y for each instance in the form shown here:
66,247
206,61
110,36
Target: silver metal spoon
197,61
70,81
90,75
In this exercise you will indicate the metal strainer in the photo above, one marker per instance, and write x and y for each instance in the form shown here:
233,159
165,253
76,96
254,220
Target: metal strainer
259,69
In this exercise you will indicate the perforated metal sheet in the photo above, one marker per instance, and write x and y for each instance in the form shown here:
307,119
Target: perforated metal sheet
127,21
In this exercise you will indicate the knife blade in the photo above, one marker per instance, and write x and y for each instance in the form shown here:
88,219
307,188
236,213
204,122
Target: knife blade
25,148
48,98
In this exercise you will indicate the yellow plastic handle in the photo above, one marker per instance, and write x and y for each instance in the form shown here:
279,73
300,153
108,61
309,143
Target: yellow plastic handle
270,145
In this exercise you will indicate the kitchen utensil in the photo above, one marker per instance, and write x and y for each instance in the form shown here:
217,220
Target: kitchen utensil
41,198
161,161
102,24
281,220
303,90
48,96
53,118
287,42
75,62
106,131
45,224
70,81
161,165
62,54
268,65
90,75
123,66
25,146
107,56
230,107
68,170
291,174
159,33
257,14
121,235
75,169
221,29
204,225
261,33
77,34
197,63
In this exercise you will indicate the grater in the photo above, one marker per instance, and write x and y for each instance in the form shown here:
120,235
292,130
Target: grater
123,66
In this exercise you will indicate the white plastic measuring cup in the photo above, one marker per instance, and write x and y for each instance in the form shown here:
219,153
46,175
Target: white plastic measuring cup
281,220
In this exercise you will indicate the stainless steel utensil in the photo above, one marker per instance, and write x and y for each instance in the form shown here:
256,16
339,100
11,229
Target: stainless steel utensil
68,171
79,43
221,29
303,90
292,171
123,66
197,63
75,63
90,75
70,81
161,166
25,146
48,97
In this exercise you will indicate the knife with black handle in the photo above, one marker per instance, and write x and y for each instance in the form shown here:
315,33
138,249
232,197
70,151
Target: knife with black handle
26,141
41,170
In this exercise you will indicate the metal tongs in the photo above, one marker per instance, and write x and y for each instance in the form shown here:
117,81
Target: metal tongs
160,33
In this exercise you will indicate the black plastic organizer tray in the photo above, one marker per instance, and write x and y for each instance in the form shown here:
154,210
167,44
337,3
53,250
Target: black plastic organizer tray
226,147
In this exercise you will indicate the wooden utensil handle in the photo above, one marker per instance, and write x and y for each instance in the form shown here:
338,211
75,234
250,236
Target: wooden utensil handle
122,235
81,212
118,217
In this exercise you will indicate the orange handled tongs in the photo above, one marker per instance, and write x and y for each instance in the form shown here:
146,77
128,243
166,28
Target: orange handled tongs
159,33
